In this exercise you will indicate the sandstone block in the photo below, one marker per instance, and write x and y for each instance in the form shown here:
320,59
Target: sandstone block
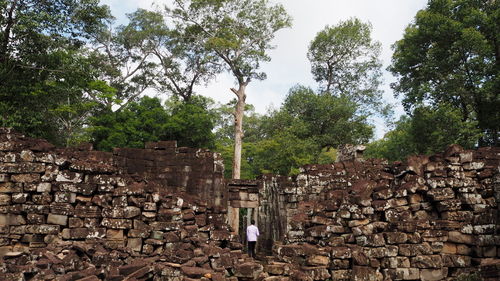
64,197
36,209
456,261
365,273
25,178
341,275
57,219
407,273
318,260
43,187
19,198
395,237
11,219
9,187
35,219
441,194
87,211
43,229
116,223
75,223
135,244
62,209
4,177
460,238
5,199
22,168
316,272
433,274
415,249
429,261
341,253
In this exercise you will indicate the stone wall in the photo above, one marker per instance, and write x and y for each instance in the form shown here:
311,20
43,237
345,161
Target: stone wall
160,213
134,214
430,218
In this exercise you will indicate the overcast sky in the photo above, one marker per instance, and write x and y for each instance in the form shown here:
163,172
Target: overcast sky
289,65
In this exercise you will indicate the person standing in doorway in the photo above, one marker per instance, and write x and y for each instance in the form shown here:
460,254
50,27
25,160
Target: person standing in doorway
252,234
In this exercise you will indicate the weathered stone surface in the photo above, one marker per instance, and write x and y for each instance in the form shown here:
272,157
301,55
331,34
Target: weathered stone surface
433,274
365,273
57,219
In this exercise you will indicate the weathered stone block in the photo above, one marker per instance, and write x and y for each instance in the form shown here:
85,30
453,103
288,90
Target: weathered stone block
19,198
22,168
67,176
11,219
36,209
65,197
25,178
457,237
87,211
75,223
407,273
415,249
341,252
116,223
35,219
430,261
135,244
9,187
365,273
57,219
395,237
43,229
440,194
318,260
456,261
433,274
121,212
62,209
83,233
4,177
5,199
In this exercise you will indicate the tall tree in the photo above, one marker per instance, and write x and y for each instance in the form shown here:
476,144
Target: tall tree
181,64
451,55
344,60
43,63
326,120
239,32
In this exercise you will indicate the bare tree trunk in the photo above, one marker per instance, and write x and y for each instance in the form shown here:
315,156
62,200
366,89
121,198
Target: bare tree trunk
238,129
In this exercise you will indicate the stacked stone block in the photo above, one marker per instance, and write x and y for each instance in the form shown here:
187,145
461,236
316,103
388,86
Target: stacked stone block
431,218
78,214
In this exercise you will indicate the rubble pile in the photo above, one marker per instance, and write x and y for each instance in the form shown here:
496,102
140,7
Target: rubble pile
78,214
431,218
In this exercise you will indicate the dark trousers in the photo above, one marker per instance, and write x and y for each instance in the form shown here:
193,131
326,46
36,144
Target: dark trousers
251,248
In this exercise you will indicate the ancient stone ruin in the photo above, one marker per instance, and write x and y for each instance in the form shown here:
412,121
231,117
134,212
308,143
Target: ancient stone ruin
161,213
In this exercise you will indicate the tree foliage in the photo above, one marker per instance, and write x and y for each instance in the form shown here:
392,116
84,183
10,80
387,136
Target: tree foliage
429,130
190,124
305,129
451,55
45,72
344,61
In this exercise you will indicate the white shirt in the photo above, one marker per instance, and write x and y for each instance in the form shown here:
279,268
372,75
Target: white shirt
252,233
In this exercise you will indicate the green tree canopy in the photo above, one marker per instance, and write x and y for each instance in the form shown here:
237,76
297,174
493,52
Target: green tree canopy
451,55
326,120
429,130
190,124
344,61
46,76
